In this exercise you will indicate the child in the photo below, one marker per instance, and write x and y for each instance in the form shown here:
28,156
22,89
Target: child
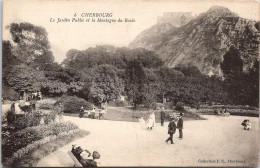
246,124
142,122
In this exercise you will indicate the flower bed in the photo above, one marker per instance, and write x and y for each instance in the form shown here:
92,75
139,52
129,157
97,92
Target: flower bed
239,112
32,119
21,142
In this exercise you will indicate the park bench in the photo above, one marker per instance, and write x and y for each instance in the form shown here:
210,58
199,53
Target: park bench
75,160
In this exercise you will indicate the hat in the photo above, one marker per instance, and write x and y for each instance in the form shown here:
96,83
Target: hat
96,155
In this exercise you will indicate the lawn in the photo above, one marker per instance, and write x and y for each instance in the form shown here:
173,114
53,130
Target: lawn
127,114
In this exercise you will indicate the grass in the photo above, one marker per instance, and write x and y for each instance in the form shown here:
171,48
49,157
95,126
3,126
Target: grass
127,114
32,158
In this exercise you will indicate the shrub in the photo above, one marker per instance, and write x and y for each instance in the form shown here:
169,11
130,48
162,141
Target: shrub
9,94
32,119
72,104
150,103
117,103
179,106
170,105
22,138
45,104
10,116
27,120
49,117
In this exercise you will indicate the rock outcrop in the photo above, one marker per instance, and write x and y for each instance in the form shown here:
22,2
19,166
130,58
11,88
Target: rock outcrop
203,41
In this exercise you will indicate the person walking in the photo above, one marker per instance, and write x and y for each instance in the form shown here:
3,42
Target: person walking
162,116
171,130
180,126
153,118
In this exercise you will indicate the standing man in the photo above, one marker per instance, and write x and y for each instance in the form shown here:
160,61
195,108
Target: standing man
180,125
81,112
171,130
162,116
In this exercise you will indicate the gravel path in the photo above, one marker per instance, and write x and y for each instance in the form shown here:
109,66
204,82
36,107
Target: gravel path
218,141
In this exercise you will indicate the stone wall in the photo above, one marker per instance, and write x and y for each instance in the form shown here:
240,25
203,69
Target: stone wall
177,19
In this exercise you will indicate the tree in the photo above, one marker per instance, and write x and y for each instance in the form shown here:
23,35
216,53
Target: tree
253,84
32,45
167,80
242,87
22,78
71,56
232,63
190,71
102,84
136,83
8,58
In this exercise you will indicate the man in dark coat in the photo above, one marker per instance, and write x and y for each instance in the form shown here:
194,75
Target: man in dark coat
81,112
171,130
180,126
162,116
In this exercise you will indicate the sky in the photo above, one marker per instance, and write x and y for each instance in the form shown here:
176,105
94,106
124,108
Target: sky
64,36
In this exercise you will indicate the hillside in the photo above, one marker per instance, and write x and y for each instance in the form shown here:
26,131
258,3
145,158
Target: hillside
203,41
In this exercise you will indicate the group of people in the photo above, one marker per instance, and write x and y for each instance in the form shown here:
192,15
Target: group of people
37,96
222,112
84,156
150,123
92,113
175,123
31,96
172,127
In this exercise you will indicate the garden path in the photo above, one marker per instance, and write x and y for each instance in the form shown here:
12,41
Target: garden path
128,144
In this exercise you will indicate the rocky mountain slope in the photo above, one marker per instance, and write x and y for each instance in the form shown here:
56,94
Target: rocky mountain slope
203,41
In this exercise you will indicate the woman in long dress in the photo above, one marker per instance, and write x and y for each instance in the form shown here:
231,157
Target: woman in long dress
150,122
153,118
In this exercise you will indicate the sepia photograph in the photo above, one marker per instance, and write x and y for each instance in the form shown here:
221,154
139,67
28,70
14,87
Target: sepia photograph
130,83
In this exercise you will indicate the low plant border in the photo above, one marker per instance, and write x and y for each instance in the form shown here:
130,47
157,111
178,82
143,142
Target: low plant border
17,159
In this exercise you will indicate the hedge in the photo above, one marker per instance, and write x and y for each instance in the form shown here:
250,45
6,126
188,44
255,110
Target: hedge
30,135
117,103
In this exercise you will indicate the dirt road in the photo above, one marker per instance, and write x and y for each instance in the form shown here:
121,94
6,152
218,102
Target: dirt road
218,141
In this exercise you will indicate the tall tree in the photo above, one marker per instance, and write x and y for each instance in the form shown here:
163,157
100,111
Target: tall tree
136,83
32,45
102,84
22,78
232,63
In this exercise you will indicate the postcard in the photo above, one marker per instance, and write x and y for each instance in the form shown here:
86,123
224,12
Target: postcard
143,83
